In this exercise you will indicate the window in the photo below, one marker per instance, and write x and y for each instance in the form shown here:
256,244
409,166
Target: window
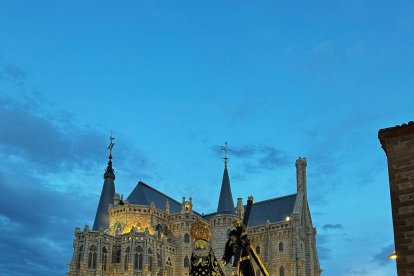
116,255
138,258
186,238
282,271
150,259
170,271
159,260
126,259
80,255
258,272
104,258
186,262
92,257
258,249
280,246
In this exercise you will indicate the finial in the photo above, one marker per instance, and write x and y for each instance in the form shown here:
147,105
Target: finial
225,148
109,171
111,145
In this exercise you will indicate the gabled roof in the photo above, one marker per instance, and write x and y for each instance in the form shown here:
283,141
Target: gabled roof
143,194
226,204
274,210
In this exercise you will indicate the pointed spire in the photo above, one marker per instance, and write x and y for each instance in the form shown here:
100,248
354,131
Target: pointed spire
107,194
226,204
109,171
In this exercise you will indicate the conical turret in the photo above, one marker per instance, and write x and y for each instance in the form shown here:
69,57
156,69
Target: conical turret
107,194
226,204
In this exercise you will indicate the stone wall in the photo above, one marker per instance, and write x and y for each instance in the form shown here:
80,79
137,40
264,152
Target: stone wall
398,144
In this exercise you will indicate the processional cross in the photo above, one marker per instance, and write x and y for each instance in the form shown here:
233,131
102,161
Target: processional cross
242,231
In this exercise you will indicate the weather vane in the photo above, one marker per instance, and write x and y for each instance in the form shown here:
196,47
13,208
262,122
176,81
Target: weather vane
225,148
111,144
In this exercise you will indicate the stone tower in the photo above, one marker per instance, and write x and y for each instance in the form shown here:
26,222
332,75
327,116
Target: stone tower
222,220
107,194
398,144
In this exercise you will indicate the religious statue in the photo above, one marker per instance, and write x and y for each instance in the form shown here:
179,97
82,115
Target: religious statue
203,262
245,266
239,247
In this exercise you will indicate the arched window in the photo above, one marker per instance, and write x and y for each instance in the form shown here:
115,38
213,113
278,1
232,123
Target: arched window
126,259
138,258
280,246
186,238
80,256
92,257
116,255
281,271
258,249
170,271
186,262
104,258
258,272
150,258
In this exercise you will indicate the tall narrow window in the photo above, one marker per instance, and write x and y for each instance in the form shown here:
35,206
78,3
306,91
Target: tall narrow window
186,238
186,262
80,255
258,249
159,260
126,259
170,271
92,257
116,254
104,258
282,271
138,258
280,246
150,259
258,272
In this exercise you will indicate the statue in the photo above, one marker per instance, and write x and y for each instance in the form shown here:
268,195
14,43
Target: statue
239,246
203,262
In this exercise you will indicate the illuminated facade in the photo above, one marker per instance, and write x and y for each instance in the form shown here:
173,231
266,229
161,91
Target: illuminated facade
149,232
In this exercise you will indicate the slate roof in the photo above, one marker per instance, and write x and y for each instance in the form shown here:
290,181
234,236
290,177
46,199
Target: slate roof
144,194
107,197
274,210
226,204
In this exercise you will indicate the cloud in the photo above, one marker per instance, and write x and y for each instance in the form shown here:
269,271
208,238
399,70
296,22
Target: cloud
50,143
324,252
12,73
272,157
332,226
37,224
42,162
54,143
257,158
382,257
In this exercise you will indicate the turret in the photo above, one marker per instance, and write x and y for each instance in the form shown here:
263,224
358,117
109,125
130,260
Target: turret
107,194
301,175
226,204
222,221
187,206
240,208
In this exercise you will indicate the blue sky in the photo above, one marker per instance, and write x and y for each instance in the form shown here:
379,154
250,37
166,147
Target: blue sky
173,80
